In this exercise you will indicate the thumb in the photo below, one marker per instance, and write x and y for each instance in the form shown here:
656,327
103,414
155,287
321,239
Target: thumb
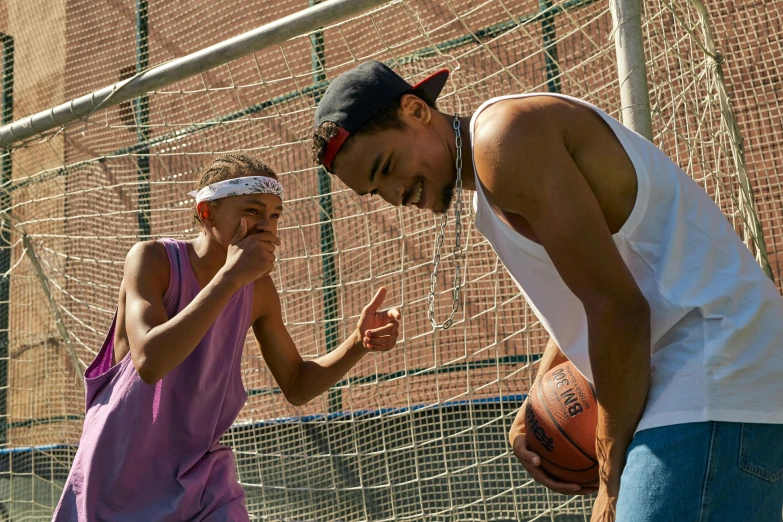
523,453
241,232
376,301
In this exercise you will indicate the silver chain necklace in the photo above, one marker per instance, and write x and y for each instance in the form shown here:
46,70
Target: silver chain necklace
457,259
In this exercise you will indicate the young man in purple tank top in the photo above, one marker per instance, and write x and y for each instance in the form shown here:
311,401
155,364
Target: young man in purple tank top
166,384
628,264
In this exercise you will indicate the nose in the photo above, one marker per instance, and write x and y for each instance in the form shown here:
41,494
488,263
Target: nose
394,195
262,223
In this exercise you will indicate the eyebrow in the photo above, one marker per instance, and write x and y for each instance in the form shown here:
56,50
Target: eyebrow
260,204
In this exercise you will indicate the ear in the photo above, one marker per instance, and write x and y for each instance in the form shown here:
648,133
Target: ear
415,109
204,211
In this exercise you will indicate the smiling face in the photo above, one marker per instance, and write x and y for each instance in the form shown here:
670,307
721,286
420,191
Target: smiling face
410,165
221,218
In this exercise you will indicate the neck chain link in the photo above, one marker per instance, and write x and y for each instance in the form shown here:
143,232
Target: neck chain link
458,255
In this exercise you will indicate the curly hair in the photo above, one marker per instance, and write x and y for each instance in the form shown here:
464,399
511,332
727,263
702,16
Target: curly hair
230,166
387,117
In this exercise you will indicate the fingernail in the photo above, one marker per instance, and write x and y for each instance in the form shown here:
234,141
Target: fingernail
536,461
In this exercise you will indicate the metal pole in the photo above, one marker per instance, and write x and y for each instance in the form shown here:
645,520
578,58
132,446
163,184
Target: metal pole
631,69
550,45
273,33
142,113
6,116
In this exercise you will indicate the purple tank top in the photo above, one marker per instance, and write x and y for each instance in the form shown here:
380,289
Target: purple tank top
151,452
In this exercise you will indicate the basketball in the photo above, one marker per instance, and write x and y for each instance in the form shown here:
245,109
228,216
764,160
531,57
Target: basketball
560,423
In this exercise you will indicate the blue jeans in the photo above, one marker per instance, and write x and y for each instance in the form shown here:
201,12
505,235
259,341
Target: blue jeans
704,472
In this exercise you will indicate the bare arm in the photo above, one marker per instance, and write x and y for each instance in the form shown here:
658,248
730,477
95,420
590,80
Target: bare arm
159,344
549,191
299,380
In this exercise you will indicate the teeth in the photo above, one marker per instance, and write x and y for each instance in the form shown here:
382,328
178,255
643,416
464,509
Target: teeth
416,197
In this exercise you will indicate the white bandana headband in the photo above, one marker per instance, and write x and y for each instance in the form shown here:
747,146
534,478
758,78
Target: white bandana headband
239,187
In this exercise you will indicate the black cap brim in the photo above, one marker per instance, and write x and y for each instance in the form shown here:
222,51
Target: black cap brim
433,84
358,94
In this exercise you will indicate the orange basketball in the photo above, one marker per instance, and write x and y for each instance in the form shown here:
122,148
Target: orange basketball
560,424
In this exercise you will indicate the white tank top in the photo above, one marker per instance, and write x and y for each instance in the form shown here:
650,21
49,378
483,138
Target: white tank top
716,319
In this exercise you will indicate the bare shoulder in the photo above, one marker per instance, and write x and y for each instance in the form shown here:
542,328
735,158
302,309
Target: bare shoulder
527,113
266,301
515,139
149,251
533,119
148,260
527,150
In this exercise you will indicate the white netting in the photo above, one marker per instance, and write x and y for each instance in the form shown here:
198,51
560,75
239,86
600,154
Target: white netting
416,434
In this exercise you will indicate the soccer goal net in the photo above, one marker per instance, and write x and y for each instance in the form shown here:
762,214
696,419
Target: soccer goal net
419,433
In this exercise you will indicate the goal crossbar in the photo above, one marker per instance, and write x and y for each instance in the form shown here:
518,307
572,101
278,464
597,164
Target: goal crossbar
277,32
315,89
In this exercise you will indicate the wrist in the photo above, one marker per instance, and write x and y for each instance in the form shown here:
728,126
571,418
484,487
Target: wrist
226,277
357,341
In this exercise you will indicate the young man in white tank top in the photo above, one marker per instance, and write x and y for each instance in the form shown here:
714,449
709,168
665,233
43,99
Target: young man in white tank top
637,276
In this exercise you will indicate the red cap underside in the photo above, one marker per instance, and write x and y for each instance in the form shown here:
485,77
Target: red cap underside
333,146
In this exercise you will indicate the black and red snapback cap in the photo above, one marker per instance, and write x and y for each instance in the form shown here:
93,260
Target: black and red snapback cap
357,95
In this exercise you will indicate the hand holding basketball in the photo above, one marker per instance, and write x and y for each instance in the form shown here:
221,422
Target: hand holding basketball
379,330
531,461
